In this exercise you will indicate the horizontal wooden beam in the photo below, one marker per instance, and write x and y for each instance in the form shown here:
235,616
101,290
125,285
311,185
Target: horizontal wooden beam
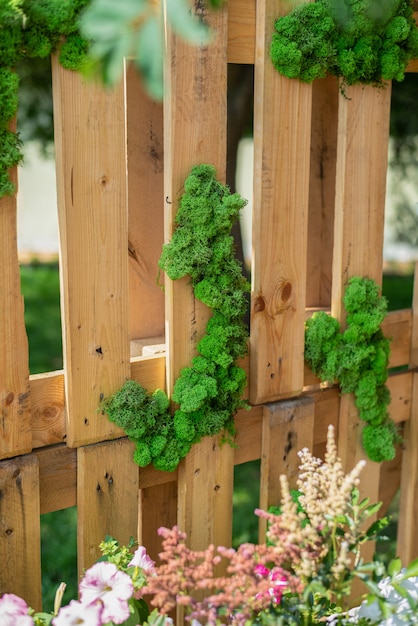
58,464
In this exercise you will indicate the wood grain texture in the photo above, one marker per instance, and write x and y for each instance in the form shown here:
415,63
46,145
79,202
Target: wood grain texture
20,544
195,132
57,478
241,31
407,537
325,98
92,206
145,159
107,497
15,426
363,133
287,428
363,116
282,131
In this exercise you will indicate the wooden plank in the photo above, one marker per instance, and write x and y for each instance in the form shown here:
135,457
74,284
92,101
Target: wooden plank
282,129
15,429
325,97
196,85
360,188
57,478
358,232
20,544
107,497
287,428
91,183
145,158
158,507
241,31
48,408
407,539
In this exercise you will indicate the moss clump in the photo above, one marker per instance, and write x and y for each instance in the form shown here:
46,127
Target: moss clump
209,392
358,359
357,40
32,28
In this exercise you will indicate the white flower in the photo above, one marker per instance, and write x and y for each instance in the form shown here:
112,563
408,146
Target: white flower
77,613
141,559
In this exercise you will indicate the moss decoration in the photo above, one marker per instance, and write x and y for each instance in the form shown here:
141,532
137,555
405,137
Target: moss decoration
358,359
32,28
209,392
360,41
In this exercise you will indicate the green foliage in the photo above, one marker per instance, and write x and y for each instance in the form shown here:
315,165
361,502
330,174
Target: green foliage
358,359
209,392
361,41
134,29
31,29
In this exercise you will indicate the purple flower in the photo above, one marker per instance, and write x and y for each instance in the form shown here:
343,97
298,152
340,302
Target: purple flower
14,611
78,613
105,584
141,559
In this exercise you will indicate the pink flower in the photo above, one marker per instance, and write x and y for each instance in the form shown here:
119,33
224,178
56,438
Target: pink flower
261,570
104,583
279,582
14,611
78,613
142,559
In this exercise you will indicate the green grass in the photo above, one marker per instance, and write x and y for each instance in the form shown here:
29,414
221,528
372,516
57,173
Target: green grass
40,286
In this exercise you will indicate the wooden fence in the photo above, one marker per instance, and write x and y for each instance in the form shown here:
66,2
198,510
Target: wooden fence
318,216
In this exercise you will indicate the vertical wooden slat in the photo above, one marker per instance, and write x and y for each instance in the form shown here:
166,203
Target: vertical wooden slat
157,507
145,142
287,428
107,497
282,129
363,135
15,428
20,534
407,540
195,132
92,204
322,191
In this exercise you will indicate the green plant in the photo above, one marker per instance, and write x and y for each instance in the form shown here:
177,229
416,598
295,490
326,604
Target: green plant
358,359
32,28
209,392
360,41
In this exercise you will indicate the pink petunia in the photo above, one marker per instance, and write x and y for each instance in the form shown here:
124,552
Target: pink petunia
78,613
14,611
142,559
104,583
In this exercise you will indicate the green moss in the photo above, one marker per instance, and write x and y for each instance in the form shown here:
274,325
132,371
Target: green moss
350,39
32,28
209,392
358,359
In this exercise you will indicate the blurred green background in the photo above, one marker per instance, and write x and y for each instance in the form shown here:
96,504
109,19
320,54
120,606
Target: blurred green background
40,286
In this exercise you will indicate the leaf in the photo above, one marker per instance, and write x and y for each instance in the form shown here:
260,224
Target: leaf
376,528
411,570
45,617
185,24
371,510
394,567
149,56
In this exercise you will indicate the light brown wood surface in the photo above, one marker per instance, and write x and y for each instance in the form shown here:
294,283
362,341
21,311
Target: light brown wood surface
145,162
15,427
20,542
107,497
288,427
92,206
282,131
